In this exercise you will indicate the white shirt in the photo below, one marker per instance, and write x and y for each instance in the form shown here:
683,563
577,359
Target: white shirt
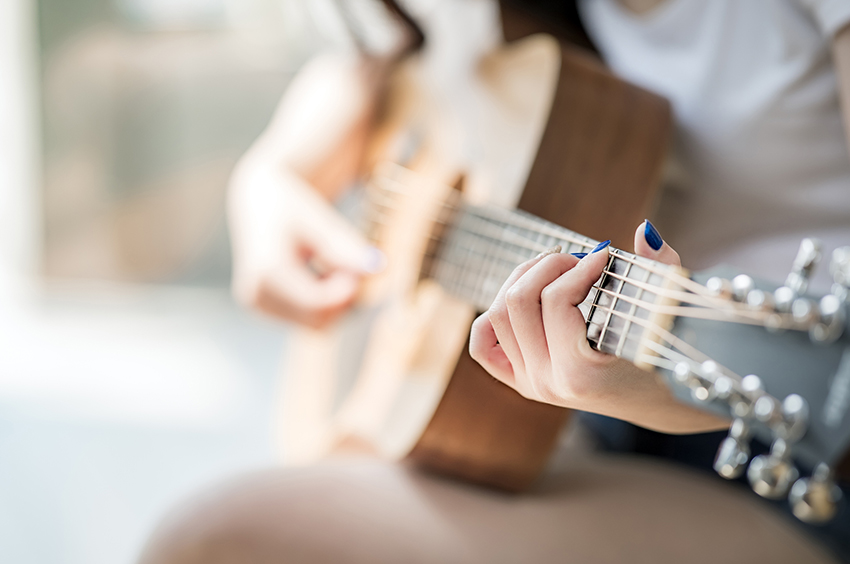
759,136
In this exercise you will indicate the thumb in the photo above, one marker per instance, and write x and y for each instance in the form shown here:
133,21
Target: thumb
649,244
337,245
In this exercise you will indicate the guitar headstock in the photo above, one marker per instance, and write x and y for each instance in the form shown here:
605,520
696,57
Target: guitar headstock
775,360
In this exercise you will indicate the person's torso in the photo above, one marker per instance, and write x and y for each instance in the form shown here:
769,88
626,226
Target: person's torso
760,151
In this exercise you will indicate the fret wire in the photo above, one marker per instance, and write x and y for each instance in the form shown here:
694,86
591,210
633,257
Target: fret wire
500,262
463,240
466,259
497,267
607,322
467,272
617,300
490,277
632,311
485,263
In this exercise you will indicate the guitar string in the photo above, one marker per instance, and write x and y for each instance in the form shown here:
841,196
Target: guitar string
680,311
518,217
747,316
526,221
536,223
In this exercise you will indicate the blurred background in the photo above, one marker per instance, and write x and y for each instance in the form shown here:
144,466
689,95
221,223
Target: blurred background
128,378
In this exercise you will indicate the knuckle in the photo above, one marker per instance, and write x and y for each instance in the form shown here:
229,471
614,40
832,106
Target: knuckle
551,294
515,296
498,318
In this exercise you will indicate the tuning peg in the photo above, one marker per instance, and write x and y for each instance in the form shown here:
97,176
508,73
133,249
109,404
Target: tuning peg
772,475
766,410
719,287
807,258
804,311
734,452
815,499
794,418
783,298
839,267
760,300
700,382
742,285
832,317
741,402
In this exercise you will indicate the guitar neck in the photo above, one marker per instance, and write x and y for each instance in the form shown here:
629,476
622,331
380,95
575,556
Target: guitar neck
484,244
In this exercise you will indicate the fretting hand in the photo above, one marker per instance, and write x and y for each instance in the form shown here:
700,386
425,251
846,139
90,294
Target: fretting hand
533,338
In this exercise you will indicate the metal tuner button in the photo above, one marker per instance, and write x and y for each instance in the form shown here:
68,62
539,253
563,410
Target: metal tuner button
839,267
808,256
734,452
831,320
815,499
742,285
771,475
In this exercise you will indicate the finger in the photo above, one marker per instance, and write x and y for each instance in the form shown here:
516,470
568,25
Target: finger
524,306
564,322
649,244
294,293
335,243
498,312
485,349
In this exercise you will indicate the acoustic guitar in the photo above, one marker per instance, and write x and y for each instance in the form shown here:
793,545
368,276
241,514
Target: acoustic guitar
394,378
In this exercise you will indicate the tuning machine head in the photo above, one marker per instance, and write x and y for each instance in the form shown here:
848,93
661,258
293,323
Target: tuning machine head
808,256
698,382
719,287
742,285
815,499
839,267
734,451
771,475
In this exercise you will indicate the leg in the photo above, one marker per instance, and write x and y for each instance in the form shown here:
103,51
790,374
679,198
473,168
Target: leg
600,509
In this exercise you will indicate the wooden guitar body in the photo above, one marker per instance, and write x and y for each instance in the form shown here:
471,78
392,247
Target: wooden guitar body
394,378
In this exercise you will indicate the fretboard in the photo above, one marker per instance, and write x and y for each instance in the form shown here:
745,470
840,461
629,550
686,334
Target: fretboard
484,244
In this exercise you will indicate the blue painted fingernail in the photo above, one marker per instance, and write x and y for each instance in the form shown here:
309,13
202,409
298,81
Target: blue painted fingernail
374,260
579,255
653,238
601,246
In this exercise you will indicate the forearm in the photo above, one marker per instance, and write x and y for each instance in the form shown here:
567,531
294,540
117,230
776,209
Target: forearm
321,128
645,400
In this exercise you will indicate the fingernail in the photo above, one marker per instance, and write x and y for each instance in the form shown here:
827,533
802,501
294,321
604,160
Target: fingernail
601,246
579,255
547,252
374,260
653,238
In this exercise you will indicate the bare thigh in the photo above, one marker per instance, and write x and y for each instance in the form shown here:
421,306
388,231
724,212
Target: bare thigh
598,510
